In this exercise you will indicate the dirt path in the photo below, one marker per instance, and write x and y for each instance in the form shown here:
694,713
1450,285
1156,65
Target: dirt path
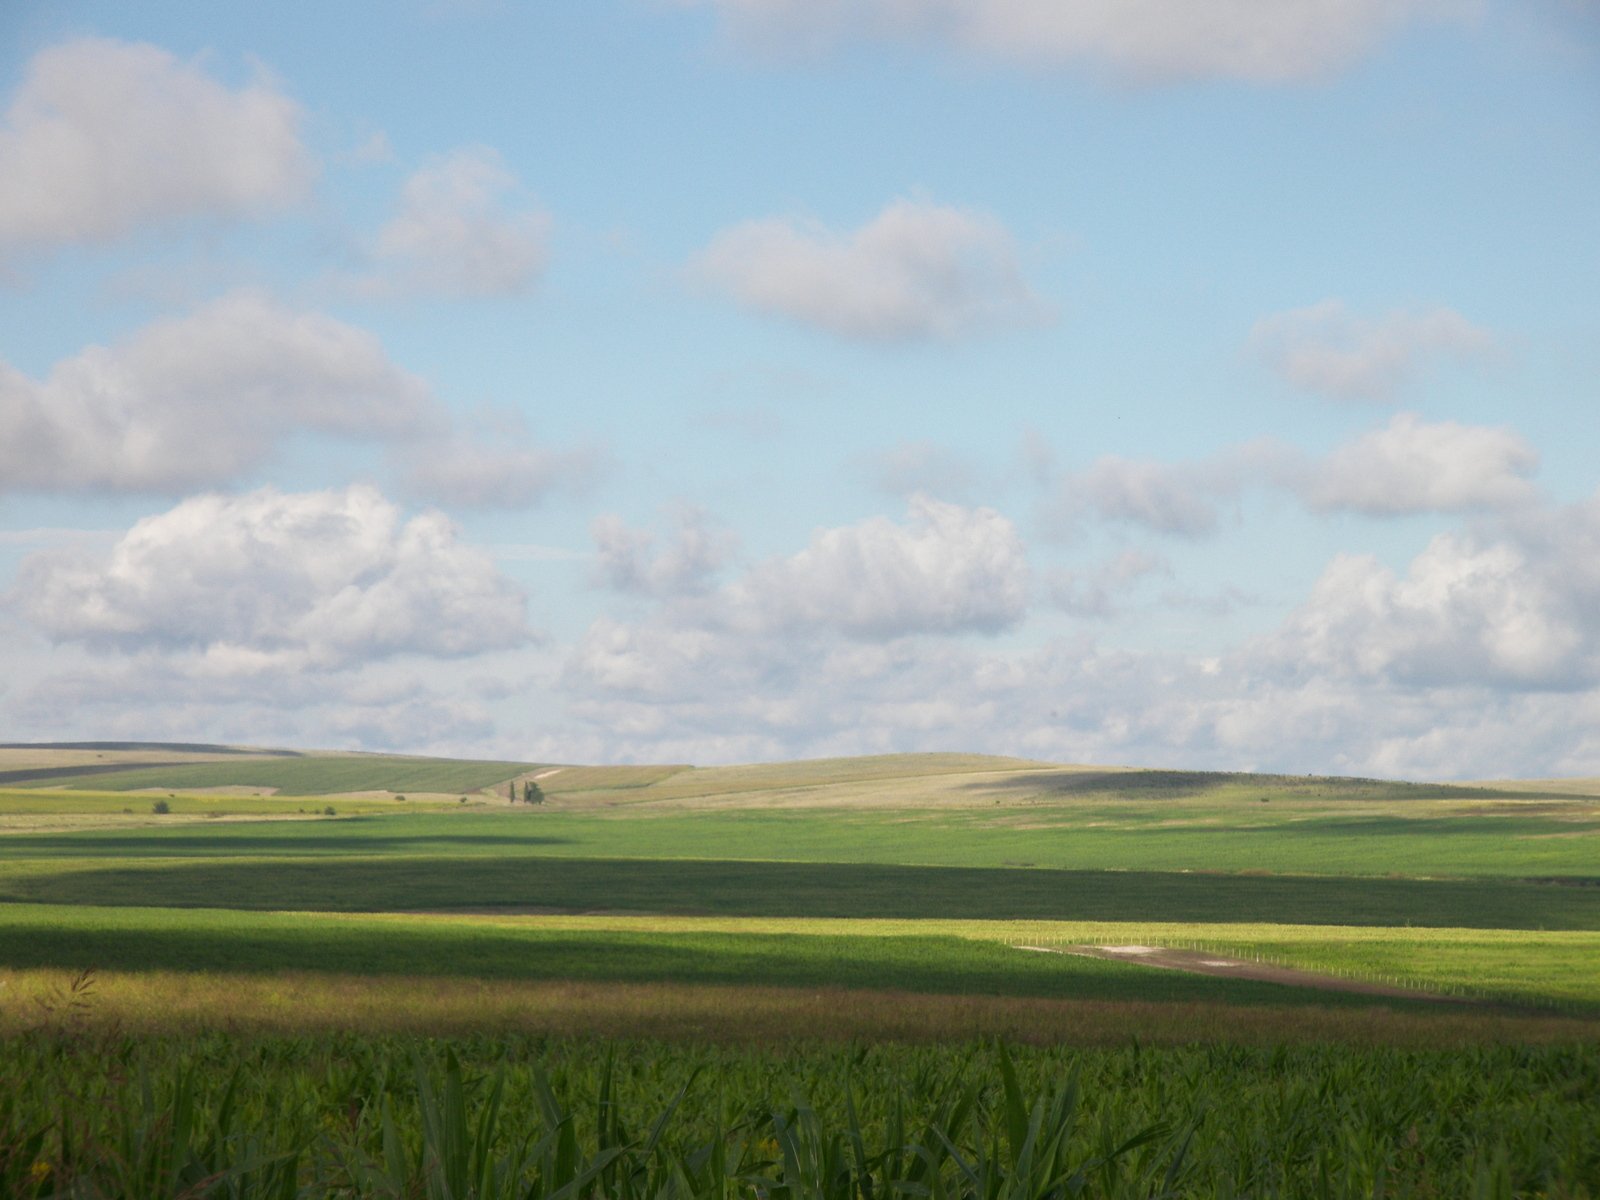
1204,962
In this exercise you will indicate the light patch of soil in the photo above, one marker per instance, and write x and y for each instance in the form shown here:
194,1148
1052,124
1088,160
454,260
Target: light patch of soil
232,789
1205,962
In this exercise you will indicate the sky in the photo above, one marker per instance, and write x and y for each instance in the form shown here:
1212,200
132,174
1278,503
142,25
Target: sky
1108,381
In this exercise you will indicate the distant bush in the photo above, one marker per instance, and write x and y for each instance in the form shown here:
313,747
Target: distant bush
160,806
330,811
399,797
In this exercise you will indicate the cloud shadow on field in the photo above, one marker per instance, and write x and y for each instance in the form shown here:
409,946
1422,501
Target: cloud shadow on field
810,890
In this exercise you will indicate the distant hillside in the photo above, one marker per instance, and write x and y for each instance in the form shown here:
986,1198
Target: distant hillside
133,766
886,780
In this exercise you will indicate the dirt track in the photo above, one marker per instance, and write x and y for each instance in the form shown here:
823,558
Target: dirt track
1204,962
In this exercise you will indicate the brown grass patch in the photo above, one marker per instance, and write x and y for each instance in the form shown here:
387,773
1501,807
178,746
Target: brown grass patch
169,1002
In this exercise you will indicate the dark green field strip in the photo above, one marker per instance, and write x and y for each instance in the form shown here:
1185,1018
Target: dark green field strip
310,776
688,887
206,940
1447,845
78,774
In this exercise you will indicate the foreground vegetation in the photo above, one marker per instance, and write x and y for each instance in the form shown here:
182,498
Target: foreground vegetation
270,1117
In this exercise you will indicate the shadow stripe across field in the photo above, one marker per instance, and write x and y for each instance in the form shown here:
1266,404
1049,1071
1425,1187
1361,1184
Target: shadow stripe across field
788,889
266,943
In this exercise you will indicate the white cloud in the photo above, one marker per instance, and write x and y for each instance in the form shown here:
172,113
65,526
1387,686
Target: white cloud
273,582
916,270
698,550
1146,40
197,400
490,461
1515,606
1328,350
105,137
455,234
1169,498
1412,466
948,569
1405,467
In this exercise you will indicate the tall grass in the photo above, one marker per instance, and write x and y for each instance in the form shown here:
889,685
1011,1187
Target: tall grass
244,1118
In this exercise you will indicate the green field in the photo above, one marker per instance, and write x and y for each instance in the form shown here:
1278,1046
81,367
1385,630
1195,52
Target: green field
541,1119
778,931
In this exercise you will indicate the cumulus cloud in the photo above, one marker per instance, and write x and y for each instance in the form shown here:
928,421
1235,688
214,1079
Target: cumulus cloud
491,461
627,560
1515,605
1330,351
1169,498
270,582
458,232
196,400
945,571
916,270
105,137
1412,466
1180,499
948,569
1144,40
1405,467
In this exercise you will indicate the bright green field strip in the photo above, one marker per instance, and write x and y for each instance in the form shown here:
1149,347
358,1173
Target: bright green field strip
310,776
209,940
1559,967
1541,967
1521,845
403,881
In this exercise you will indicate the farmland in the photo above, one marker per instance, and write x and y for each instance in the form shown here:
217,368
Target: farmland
759,922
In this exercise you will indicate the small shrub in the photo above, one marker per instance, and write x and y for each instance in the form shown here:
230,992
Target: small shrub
463,800
160,806
399,797
330,811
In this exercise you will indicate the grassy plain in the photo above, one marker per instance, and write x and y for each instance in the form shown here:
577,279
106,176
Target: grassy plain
1328,873
802,951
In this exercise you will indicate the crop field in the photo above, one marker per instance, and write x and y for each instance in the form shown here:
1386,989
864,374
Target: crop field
513,1116
819,956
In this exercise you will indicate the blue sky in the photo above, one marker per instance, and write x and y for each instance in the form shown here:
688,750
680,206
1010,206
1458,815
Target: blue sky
716,380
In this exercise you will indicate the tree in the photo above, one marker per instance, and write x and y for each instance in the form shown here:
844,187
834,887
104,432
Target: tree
532,793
